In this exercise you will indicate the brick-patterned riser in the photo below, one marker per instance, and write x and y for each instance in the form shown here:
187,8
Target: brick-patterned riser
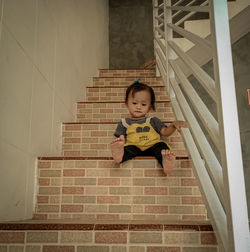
125,81
117,93
114,111
86,139
100,190
106,238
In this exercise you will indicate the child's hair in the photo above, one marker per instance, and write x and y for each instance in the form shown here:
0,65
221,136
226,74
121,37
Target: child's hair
137,87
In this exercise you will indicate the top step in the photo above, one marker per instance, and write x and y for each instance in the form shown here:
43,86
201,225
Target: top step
127,73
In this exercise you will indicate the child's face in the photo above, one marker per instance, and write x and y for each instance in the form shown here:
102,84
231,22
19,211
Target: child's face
139,104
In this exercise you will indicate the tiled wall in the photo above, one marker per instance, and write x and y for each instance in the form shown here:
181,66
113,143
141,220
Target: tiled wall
48,51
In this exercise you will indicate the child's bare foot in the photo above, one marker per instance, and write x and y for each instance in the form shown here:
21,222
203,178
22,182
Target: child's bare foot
168,161
117,148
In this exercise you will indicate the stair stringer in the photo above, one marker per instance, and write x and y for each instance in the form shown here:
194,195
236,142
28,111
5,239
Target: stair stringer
239,26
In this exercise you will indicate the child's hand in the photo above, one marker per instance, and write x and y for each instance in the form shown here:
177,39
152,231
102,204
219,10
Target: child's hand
180,124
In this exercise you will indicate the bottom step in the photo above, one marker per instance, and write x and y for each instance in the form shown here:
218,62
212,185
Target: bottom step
72,236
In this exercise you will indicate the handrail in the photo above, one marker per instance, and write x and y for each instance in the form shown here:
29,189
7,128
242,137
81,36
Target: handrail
220,175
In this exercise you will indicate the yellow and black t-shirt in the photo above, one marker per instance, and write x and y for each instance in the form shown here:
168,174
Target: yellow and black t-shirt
143,133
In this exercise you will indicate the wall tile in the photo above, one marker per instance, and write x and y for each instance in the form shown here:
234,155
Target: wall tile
46,40
20,18
15,92
41,117
13,206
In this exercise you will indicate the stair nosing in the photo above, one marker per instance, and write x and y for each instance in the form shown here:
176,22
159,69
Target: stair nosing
126,77
77,123
115,101
100,158
98,226
119,86
127,69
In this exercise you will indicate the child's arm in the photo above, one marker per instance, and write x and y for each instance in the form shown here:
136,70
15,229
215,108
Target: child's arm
176,125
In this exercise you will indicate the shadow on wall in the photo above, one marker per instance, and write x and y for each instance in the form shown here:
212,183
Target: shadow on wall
130,33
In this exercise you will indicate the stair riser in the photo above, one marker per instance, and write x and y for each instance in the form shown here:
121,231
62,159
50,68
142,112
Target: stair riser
93,140
125,81
118,94
113,112
127,73
99,189
108,241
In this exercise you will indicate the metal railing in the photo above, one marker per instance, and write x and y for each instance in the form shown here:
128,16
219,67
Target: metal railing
213,139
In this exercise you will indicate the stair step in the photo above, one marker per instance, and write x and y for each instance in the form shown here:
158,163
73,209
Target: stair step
73,236
98,189
125,81
117,93
127,73
93,139
114,111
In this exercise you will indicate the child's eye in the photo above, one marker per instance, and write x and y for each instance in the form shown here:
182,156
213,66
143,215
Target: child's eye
134,103
144,105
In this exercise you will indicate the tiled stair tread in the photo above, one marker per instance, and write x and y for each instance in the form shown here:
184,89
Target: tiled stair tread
122,81
79,123
129,78
121,87
100,102
100,158
126,71
94,87
104,225
125,81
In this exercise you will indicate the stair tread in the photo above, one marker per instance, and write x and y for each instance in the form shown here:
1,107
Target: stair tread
75,224
90,102
116,86
164,121
99,158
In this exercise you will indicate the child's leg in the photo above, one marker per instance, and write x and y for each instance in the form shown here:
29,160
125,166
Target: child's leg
130,152
120,153
164,156
168,161
117,148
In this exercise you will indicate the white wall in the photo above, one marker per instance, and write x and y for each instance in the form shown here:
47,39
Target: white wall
48,51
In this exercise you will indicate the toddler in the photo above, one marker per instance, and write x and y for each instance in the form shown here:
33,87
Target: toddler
139,135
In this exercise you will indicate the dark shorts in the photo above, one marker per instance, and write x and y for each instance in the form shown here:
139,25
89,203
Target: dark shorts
132,151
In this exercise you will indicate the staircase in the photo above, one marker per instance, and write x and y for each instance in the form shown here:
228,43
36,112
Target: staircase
87,203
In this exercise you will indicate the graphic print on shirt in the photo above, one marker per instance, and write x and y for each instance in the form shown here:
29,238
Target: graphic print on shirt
141,135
